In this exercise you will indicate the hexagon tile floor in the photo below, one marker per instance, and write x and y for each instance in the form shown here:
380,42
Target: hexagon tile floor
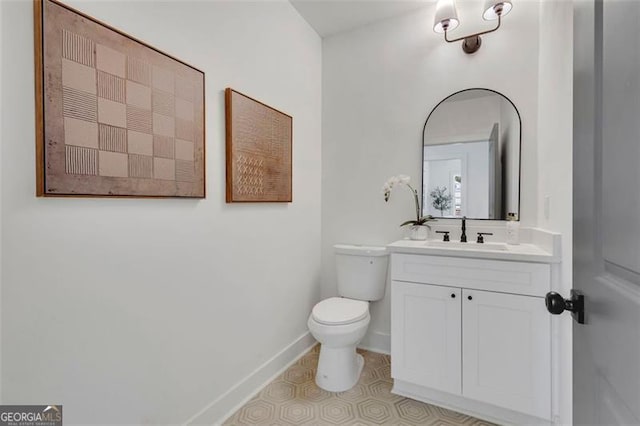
294,399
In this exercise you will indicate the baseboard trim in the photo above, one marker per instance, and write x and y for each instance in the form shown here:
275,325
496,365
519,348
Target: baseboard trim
238,395
466,406
376,342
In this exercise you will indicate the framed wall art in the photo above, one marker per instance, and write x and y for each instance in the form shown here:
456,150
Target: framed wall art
115,116
258,151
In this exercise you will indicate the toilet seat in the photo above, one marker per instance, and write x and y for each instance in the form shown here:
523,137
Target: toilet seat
340,311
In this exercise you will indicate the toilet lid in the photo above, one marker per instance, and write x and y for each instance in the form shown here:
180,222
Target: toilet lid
339,310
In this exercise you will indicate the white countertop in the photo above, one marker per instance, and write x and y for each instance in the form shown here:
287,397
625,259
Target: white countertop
498,251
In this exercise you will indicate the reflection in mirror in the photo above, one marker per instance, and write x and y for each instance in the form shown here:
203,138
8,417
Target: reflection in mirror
471,157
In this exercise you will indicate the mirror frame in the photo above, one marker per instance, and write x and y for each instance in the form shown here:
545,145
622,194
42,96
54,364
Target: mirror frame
424,128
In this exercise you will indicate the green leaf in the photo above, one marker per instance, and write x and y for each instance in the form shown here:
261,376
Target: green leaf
409,222
425,219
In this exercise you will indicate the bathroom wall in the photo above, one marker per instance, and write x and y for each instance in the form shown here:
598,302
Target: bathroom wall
147,311
555,123
555,156
379,84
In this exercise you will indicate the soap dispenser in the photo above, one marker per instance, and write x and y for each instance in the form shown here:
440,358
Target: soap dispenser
513,229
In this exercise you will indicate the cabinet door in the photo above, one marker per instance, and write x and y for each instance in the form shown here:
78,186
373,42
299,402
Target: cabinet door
426,335
506,358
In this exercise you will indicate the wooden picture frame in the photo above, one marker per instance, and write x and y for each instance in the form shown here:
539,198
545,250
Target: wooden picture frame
115,117
259,157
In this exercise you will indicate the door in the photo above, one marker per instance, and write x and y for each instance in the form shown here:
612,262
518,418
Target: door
425,335
606,260
506,351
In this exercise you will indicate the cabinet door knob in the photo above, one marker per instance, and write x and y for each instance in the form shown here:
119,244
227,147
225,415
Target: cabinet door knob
453,295
470,297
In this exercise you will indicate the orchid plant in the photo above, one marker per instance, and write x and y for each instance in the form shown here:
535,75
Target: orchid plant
404,180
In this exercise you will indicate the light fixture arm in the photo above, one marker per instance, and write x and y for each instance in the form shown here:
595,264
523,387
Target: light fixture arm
472,35
472,42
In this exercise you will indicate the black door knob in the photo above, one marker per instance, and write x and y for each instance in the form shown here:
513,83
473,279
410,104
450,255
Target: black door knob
469,297
555,303
453,295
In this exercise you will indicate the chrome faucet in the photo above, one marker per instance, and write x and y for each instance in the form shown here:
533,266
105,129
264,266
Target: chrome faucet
463,237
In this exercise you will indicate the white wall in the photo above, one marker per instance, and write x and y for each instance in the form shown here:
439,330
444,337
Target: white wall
379,84
555,114
145,311
555,154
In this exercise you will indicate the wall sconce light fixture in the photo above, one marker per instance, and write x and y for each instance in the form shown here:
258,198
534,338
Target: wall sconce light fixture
446,19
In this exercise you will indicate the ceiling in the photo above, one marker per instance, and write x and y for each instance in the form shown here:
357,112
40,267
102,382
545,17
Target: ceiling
330,17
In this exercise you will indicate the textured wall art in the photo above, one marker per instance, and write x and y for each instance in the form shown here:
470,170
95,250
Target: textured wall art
115,117
259,142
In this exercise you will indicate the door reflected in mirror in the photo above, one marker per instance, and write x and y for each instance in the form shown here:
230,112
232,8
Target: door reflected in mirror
471,153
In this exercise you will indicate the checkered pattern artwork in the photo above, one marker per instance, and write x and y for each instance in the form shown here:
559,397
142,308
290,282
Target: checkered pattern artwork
259,142
119,117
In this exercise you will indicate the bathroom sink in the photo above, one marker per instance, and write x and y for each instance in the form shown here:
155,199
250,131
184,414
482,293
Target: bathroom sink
466,246
496,250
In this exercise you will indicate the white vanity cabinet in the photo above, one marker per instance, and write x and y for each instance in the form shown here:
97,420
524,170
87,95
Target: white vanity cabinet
426,339
507,351
472,335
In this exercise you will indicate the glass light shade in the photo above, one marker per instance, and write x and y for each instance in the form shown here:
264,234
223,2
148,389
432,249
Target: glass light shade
490,7
446,16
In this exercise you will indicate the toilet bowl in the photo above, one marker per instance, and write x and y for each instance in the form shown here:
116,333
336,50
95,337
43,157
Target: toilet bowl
340,323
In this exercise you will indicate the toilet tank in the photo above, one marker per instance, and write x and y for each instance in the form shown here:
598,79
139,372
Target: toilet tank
361,271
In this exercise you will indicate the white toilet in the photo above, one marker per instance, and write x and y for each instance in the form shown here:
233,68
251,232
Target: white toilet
339,323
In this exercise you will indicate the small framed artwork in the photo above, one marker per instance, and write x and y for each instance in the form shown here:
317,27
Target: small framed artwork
115,116
258,149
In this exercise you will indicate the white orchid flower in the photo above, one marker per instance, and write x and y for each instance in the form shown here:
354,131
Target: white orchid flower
404,180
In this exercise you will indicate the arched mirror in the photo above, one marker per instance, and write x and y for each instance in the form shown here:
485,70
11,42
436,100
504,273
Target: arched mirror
471,157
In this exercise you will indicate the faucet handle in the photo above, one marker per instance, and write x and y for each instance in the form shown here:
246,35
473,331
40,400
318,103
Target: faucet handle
481,236
446,235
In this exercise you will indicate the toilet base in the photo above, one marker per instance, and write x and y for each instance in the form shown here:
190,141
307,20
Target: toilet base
338,368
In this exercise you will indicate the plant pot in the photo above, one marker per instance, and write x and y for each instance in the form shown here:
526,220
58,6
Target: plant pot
418,232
